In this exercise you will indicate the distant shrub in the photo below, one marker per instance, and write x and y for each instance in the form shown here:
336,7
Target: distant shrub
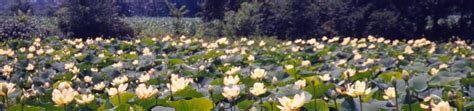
92,18
245,21
18,27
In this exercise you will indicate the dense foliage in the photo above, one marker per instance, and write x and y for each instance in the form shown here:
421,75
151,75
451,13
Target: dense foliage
21,26
290,19
187,73
91,18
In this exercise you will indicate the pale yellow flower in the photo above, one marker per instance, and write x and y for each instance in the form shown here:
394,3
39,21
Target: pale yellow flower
7,69
119,80
6,88
258,74
30,67
441,106
99,87
232,71
294,104
231,80
305,63
358,89
231,92
88,79
114,91
289,67
143,92
434,71
300,84
389,93
144,78
85,99
325,77
408,50
178,83
258,89
63,97
64,85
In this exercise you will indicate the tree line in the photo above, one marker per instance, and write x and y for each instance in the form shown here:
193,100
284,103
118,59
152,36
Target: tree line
289,19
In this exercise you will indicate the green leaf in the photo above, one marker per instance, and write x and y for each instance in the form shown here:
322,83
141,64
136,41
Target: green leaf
387,77
124,97
418,83
320,105
18,107
245,104
414,107
176,61
196,104
319,89
122,107
187,93
362,75
270,106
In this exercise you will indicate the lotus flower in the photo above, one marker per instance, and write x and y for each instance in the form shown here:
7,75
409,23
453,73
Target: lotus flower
144,93
231,80
258,89
85,99
258,74
6,88
389,93
63,97
358,89
231,92
300,84
178,83
294,104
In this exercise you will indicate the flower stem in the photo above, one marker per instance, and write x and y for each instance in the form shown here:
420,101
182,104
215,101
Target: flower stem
396,97
118,95
360,103
335,103
314,94
212,98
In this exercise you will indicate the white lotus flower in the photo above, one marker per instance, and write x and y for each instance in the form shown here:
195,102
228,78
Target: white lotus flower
99,87
251,58
7,69
6,88
232,71
85,99
30,67
434,71
294,104
258,89
258,74
408,50
300,84
289,67
178,83
305,63
64,85
358,89
441,106
325,77
144,93
114,91
389,93
63,97
350,72
231,80
144,78
119,80
231,92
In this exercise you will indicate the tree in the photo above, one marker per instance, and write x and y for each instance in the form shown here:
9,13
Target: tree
92,18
